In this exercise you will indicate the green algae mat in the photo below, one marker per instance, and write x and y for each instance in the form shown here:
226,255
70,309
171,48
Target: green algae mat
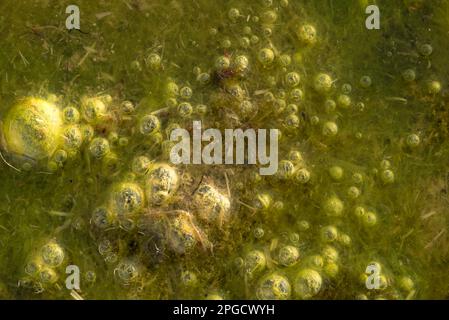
120,179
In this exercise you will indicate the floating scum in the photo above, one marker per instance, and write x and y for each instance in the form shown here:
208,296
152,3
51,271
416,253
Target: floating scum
250,153
32,129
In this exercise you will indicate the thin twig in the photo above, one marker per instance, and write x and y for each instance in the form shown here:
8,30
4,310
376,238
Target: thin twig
430,244
246,205
227,184
75,295
428,215
8,164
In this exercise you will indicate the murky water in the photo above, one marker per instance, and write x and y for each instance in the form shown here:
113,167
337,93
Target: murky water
357,209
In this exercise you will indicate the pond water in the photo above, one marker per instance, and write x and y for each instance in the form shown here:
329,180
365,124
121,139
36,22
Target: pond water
357,209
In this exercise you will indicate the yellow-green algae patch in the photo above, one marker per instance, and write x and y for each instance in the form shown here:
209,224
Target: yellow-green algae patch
33,128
